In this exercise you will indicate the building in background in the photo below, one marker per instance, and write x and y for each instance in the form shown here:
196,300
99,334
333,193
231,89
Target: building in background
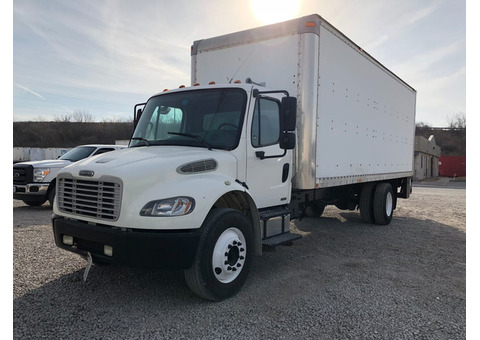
426,158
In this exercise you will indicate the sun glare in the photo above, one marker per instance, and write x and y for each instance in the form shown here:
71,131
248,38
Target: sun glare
272,11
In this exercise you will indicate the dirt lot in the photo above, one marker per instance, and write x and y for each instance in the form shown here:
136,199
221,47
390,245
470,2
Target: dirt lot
343,279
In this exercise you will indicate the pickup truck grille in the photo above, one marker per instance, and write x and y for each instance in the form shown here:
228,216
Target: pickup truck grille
22,174
97,199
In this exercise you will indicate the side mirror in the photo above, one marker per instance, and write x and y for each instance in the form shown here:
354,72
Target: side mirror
288,113
287,141
137,113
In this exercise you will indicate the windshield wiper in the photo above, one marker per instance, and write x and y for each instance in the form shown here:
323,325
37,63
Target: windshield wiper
147,143
192,136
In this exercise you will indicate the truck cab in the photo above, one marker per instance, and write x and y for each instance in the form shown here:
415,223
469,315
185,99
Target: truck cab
196,160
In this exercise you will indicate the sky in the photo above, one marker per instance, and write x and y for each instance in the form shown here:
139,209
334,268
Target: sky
104,56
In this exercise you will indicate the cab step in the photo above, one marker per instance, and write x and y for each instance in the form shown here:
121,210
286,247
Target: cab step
277,240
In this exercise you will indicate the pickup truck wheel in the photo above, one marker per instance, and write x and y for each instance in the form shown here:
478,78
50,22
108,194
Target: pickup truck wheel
51,196
223,257
383,203
34,203
366,203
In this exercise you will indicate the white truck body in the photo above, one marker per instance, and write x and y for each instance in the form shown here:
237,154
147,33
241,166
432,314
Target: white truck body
214,172
355,118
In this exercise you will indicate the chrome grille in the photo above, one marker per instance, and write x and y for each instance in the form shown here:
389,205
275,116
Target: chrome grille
22,174
97,199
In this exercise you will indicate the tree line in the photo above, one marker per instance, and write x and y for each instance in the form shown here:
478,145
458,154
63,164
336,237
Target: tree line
76,129
67,134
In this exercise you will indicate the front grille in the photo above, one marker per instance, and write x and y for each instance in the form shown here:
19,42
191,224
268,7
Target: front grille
22,174
97,199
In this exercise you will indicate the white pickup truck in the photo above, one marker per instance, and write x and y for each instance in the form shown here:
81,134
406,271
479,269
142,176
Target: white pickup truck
34,182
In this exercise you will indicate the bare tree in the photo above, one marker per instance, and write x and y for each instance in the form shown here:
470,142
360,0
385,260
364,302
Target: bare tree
82,116
457,121
78,116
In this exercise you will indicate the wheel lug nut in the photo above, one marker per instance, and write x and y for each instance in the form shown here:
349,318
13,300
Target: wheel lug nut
239,265
234,243
234,269
242,258
241,249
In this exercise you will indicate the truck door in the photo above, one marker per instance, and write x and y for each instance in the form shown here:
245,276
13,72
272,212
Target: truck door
269,167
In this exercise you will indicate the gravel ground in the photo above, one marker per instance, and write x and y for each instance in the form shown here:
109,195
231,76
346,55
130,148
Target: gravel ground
342,280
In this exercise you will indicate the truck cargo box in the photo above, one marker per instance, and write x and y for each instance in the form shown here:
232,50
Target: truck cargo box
355,118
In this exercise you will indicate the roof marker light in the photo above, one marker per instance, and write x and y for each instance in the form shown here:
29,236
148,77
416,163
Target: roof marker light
310,24
165,90
211,83
181,86
196,84
237,82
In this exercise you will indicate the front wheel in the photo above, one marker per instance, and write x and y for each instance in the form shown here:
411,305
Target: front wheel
223,257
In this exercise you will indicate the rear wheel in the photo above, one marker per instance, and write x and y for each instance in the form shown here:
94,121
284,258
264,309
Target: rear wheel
223,257
315,210
384,202
366,203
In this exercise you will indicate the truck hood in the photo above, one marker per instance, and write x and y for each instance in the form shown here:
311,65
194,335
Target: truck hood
140,161
52,163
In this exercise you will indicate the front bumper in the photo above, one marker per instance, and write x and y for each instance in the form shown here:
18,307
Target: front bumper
128,247
31,191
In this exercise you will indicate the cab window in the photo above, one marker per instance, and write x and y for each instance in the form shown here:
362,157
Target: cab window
266,122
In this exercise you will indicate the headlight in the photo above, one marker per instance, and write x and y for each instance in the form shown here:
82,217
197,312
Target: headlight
175,206
39,174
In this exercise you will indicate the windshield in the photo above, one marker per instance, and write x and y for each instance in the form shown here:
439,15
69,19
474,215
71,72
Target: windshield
78,153
204,118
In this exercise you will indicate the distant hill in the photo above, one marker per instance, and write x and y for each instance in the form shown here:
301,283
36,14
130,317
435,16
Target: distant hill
68,134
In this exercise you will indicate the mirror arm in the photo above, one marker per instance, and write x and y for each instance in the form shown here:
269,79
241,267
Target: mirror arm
261,154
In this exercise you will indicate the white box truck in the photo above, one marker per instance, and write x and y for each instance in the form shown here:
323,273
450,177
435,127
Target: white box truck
217,170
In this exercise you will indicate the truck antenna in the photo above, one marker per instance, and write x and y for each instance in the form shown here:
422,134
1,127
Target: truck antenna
241,65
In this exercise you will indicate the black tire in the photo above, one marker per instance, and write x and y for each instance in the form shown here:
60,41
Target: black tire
384,203
315,210
34,203
51,195
223,257
366,203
